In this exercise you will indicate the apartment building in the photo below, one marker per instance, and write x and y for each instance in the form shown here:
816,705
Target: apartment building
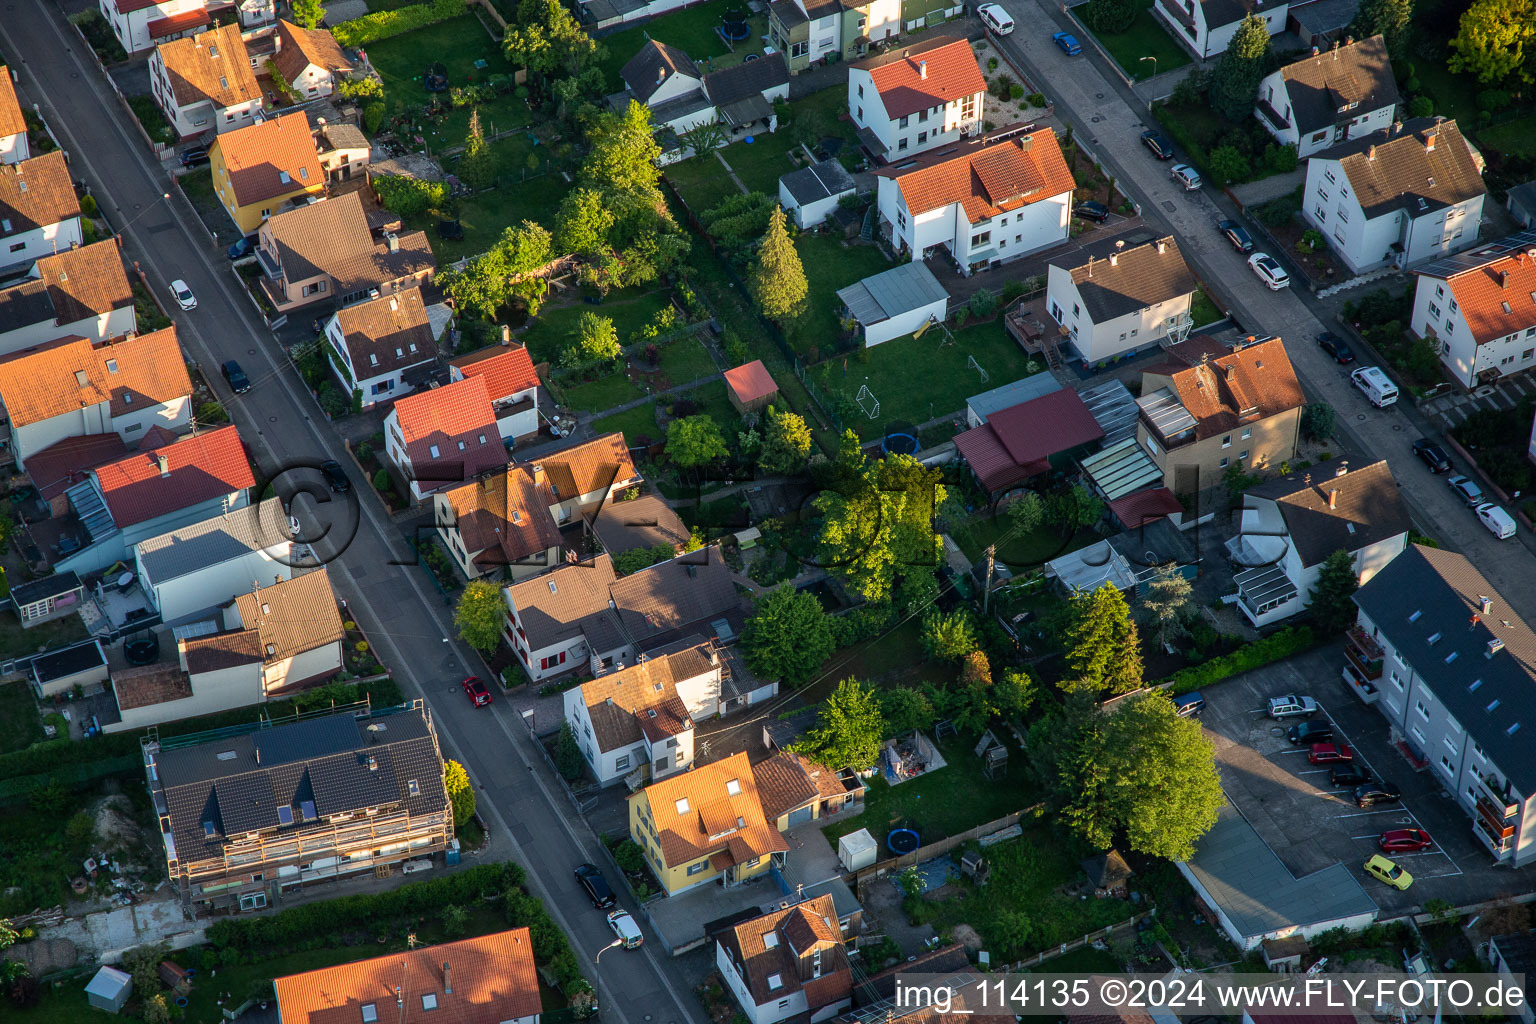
916,98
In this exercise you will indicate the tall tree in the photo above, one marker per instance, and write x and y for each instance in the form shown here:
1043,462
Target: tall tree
1493,40
1387,18
1166,601
1332,598
1014,692
1074,509
547,39
1104,649
849,729
788,637
786,443
461,794
306,13
695,441
596,339
877,525
777,279
1235,82
490,281
976,670
1026,512
622,155
477,166
948,636
481,615
583,222
905,710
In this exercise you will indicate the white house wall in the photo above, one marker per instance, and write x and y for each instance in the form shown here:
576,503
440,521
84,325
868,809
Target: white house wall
212,692
903,324
823,37
34,437
1220,36
14,148
174,416
321,661
1095,342
313,82
205,589
768,1013
30,246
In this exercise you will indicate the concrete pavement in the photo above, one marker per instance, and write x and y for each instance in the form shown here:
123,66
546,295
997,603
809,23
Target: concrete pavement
1110,121
278,420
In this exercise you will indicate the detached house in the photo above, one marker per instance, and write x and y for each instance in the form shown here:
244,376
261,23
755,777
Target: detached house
382,347
500,524
258,168
247,818
789,962
1206,27
1331,97
309,60
39,212
1479,310
344,151
916,98
205,83
67,388
443,437
78,293
1130,293
511,382
984,201
14,146
1397,196
189,573
585,476
325,252
1209,407
1292,524
681,97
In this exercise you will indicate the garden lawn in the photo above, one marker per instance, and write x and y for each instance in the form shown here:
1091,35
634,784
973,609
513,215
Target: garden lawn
19,725
638,422
826,109
16,642
603,393
685,360
691,30
701,181
457,43
1022,550
1512,138
829,265
713,402
760,163
484,217
555,327
916,380
942,803
1203,310
1147,37
1455,97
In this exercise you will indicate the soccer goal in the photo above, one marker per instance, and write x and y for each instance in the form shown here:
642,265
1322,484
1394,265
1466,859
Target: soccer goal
868,402
971,363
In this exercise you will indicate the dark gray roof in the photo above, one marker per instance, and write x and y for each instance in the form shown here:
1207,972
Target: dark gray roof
25,304
822,180
749,78
653,65
1258,894
1488,694
214,541
679,107
642,523
1016,393
49,586
1115,281
687,591
1394,169
1524,196
788,12
1368,508
58,664
1225,12
1518,952
1360,73
890,293
337,763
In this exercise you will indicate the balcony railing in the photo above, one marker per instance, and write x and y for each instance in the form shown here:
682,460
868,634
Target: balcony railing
1498,843
1369,649
1364,654
1496,796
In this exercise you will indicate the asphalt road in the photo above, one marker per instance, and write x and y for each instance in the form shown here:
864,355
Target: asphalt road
530,820
1109,121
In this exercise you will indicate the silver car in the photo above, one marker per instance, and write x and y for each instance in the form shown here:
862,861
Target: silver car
1292,706
1185,175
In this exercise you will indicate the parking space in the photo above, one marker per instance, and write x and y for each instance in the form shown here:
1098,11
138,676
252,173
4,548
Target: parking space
1452,408
1310,824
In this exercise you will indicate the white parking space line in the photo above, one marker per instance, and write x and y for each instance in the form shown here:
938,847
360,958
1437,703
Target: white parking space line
1315,771
1384,810
1293,750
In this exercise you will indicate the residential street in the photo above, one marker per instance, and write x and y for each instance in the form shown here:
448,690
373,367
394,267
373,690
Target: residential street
278,420
1104,118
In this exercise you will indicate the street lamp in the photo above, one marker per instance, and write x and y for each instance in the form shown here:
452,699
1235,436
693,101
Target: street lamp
615,942
1154,64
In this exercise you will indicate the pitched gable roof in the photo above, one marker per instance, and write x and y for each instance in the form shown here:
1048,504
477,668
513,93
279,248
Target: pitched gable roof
589,466
565,602
1338,85
1143,272
768,948
750,381
212,66
36,193
1018,442
12,120
292,616
298,48
196,469
641,700
85,282
713,809
925,75
656,62
747,80
675,594
229,649
784,782
987,176
645,522
333,238
1222,388
504,517
271,158
65,463
61,377
1418,167
506,370
1495,287
387,333
453,428
1344,512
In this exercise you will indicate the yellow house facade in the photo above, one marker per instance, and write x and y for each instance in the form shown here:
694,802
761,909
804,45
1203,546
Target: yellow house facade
259,168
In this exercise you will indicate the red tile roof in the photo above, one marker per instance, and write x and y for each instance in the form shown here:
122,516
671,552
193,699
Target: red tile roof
36,193
1018,442
506,371
700,813
987,177
925,75
87,281
298,48
129,6
197,469
1145,507
598,464
504,517
1483,292
260,156
751,382
213,66
1222,388
457,420
12,121
162,27
493,978
65,463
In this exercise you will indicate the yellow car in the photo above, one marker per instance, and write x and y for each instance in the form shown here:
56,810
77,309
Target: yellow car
1383,870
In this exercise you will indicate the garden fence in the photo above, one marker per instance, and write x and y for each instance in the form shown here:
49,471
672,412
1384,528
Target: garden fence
940,846
583,803
1078,943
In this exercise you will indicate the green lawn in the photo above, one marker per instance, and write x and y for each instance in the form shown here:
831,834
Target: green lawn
829,265
1202,309
19,725
1512,138
555,326
825,109
760,163
713,401
16,642
686,360
691,30
1455,96
1147,37
484,217
1021,551
603,393
916,380
702,182
636,423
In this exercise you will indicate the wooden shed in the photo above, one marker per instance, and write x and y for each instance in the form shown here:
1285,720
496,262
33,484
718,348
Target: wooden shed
751,388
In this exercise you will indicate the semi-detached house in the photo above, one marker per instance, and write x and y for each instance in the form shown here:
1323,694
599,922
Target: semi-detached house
382,347
39,211
1329,97
205,83
917,98
1129,293
984,201
511,382
80,293
1206,27
14,146
258,168
500,523
1478,309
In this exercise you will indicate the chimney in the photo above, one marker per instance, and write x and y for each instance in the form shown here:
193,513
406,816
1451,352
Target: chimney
447,979
1370,154
1343,468
399,1001
394,242
1114,259
1503,279
1333,498
1486,604
538,473
1162,246
1349,40
922,70
164,464
1397,126
1429,140
1231,371
506,334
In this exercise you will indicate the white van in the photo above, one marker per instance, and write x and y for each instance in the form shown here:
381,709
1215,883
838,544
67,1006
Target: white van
1499,522
995,18
1376,385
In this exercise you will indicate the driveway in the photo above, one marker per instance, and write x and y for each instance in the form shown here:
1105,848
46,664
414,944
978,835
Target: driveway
1452,409
1308,823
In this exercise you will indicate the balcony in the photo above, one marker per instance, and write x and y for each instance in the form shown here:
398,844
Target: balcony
1500,841
1364,653
1496,795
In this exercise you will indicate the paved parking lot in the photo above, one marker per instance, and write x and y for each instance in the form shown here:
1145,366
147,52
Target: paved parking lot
1309,824
1452,409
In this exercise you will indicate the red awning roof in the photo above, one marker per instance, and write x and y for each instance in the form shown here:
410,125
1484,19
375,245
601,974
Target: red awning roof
1145,507
1017,443
162,27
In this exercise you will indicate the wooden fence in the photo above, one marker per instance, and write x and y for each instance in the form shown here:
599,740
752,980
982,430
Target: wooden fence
940,847
1078,943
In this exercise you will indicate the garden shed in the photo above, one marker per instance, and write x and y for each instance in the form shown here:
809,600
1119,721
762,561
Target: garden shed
751,387
811,193
895,302
109,990
1107,871
857,850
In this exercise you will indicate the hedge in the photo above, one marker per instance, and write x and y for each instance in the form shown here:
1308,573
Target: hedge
1288,641
370,28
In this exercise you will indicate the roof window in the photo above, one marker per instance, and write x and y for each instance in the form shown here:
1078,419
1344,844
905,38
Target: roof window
266,609
271,649
304,173
283,177
370,1013
208,830
775,981
1511,730
1475,684
434,450
682,805
770,940
1506,306
307,809
733,787
1451,657
1415,616
81,379
227,755
429,1001
111,365
414,788
656,687
1493,704
552,589
223,82
285,815
1434,638
462,446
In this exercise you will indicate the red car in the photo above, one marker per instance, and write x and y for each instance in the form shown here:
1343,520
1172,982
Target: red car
1330,753
478,694
1404,840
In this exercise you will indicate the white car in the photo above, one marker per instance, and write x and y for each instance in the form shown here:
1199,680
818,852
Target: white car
184,297
1271,273
1185,175
624,928
995,18
1499,522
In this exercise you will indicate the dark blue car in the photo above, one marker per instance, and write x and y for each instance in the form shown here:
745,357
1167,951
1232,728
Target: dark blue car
1068,43
241,249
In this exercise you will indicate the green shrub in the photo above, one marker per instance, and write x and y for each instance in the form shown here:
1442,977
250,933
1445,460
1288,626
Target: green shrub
1016,91
407,196
212,412
370,28
381,481
1422,106
88,206
1037,99
1289,641
373,116
332,402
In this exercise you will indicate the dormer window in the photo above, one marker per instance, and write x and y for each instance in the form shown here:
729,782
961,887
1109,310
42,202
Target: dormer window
208,830
285,815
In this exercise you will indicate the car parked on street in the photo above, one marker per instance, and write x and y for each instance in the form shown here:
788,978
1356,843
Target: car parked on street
479,696
625,928
241,249
1091,209
1383,870
1348,775
995,18
1186,176
1330,753
1159,144
1291,706
1432,455
1336,347
335,476
1467,490
239,383
1068,43
1373,793
1235,233
1270,272
1308,733
1404,840
1499,522
183,295
592,882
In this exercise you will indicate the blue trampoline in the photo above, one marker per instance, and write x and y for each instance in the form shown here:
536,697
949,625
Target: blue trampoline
902,840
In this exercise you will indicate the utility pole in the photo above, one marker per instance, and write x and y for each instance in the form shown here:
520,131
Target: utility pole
986,590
